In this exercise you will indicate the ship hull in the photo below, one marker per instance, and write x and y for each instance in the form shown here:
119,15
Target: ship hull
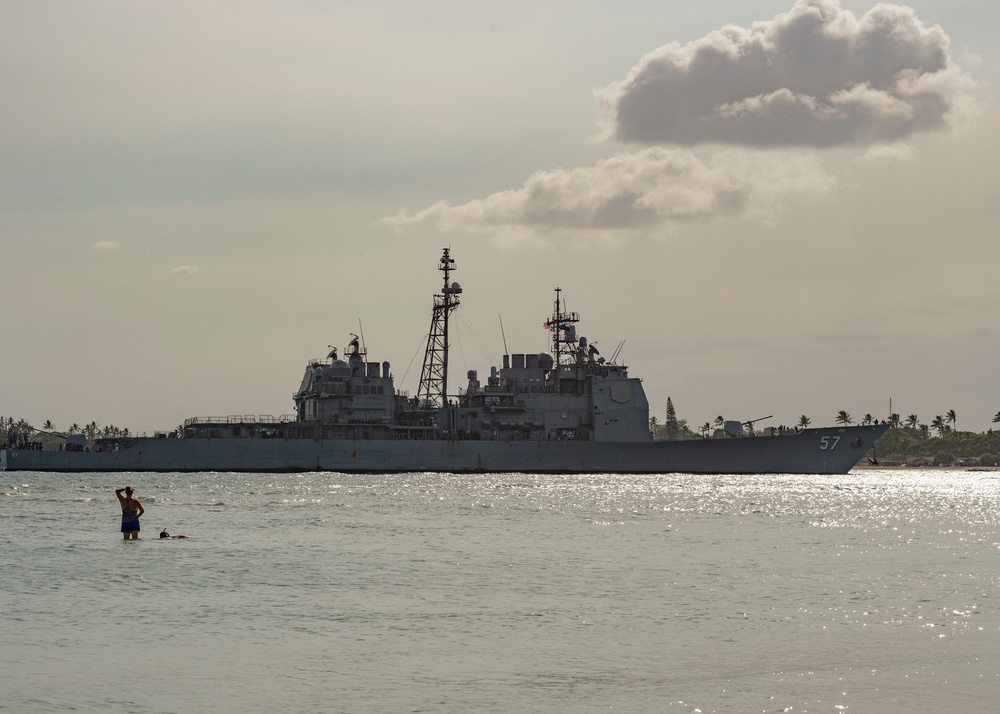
821,451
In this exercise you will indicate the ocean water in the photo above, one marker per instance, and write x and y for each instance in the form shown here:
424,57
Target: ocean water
871,592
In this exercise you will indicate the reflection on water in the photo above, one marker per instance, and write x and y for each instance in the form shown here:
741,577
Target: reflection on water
873,591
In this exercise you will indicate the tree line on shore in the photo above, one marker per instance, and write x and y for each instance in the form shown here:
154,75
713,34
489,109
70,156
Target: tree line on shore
48,432
909,438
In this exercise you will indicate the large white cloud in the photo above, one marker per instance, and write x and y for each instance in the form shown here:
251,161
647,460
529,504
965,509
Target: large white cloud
637,189
814,76
725,119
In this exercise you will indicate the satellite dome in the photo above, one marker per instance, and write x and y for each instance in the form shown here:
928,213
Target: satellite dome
340,368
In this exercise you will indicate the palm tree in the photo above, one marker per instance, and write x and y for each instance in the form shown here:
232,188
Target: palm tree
720,422
953,420
996,419
895,420
937,423
705,428
844,418
925,431
868,418
804,421
913,420
48,425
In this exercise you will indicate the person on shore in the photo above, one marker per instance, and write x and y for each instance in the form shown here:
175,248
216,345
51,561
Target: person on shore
164,534
132,510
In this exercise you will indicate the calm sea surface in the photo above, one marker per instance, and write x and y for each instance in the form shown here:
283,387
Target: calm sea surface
871,592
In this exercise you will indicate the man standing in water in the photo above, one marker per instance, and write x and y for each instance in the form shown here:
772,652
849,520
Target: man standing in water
131,510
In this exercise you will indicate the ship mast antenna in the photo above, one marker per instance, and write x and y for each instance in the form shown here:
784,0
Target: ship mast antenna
561,327
617,351
433,390
504,336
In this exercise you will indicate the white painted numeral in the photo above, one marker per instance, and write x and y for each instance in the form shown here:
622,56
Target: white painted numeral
825,442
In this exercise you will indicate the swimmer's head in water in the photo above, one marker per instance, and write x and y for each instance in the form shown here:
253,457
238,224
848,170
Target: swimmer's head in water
164,534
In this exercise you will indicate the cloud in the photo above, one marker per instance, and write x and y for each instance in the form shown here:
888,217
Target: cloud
725,119
890,154
815,76
637,189
106,245
970,59
185,270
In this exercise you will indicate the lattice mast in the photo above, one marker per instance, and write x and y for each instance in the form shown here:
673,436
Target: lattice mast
562,327
433,390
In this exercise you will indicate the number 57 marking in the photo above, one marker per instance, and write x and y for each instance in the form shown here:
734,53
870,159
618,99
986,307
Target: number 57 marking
828,442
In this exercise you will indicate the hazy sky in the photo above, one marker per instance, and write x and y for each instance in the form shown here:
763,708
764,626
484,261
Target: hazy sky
781,209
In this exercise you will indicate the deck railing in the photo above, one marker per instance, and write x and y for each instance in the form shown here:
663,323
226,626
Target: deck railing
241,419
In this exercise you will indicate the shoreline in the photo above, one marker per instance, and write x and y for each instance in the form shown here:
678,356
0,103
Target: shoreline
904,467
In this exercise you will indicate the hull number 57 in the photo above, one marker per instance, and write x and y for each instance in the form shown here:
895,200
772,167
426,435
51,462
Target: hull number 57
828,442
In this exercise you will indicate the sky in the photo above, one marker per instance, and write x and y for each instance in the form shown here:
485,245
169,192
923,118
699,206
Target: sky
772,208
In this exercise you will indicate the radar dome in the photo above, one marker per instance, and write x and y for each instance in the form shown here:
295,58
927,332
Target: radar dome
340,368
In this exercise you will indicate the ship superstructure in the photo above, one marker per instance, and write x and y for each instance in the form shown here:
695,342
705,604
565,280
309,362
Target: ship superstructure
573,395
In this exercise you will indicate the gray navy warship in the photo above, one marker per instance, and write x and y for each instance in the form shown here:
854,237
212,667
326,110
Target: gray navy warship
564,411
